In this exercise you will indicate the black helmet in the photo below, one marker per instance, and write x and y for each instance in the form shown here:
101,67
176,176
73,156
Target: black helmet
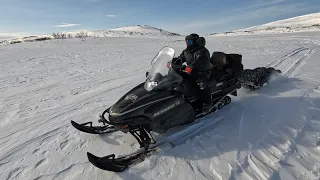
191,39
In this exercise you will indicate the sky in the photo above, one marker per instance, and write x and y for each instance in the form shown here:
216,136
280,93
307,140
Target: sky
25,17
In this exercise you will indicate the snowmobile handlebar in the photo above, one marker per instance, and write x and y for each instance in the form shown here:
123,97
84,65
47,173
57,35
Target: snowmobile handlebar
177,67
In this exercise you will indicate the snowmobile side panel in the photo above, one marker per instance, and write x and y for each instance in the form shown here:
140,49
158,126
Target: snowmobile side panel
161,115
142,114
173,112
138,98
229,89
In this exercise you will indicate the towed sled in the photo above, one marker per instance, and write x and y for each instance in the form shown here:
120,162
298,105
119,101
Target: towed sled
258,77
165,100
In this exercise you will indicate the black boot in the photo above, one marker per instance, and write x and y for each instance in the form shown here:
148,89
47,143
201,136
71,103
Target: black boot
206,100
205,96
206,108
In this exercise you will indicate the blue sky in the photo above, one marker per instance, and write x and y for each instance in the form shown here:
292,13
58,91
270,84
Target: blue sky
181,16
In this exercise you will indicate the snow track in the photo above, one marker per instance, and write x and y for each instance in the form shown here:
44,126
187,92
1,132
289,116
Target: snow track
291,62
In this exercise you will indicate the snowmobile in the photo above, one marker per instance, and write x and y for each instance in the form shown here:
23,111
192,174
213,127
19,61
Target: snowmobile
165,100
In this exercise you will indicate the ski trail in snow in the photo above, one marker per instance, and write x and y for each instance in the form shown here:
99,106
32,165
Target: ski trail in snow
191,131
240,133
275,63
311,90
289,63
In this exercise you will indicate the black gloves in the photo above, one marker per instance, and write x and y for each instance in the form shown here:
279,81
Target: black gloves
177,61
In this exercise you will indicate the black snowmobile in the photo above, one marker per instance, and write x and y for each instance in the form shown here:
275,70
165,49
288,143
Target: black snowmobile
163,101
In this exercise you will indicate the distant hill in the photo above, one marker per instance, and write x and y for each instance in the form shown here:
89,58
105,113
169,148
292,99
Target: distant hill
305,23
129,31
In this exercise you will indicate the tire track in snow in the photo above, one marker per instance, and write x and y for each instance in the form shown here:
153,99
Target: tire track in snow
294,52
15,173
290,62
65,108
314,89
240,133
21,146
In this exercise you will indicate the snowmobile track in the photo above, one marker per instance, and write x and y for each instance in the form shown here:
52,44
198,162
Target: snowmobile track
291,54
311,90
289,63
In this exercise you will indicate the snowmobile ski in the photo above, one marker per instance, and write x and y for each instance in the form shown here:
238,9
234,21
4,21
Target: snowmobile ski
124,162
88,128
120,164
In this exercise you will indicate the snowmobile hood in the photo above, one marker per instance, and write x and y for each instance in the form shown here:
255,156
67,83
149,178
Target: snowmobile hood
137,98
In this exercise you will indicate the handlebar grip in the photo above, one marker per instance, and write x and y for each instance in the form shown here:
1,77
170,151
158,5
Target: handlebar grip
177,67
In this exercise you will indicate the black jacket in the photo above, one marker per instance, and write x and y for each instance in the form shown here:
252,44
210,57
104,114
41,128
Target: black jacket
197,58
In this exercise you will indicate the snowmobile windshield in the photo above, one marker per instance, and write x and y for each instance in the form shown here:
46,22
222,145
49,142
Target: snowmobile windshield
161,75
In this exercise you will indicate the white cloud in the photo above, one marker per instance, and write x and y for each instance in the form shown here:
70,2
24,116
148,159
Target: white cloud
111,15
63,25
265,3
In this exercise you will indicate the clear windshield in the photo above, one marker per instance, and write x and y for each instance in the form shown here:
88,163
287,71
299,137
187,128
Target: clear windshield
161,75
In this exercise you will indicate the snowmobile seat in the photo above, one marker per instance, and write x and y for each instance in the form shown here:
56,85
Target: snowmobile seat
226,69
225,65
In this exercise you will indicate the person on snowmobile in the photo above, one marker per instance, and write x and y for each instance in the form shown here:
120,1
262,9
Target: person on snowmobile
198,67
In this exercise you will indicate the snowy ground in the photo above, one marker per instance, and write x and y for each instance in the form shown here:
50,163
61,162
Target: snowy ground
269,134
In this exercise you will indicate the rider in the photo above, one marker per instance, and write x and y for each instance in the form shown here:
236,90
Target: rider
198,67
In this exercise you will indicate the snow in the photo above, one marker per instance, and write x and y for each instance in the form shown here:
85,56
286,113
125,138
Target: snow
139,28
272,133
305,23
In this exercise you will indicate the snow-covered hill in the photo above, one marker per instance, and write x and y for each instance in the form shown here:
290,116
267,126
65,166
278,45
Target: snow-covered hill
6,36
145,30
130,31
272,133
305,23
